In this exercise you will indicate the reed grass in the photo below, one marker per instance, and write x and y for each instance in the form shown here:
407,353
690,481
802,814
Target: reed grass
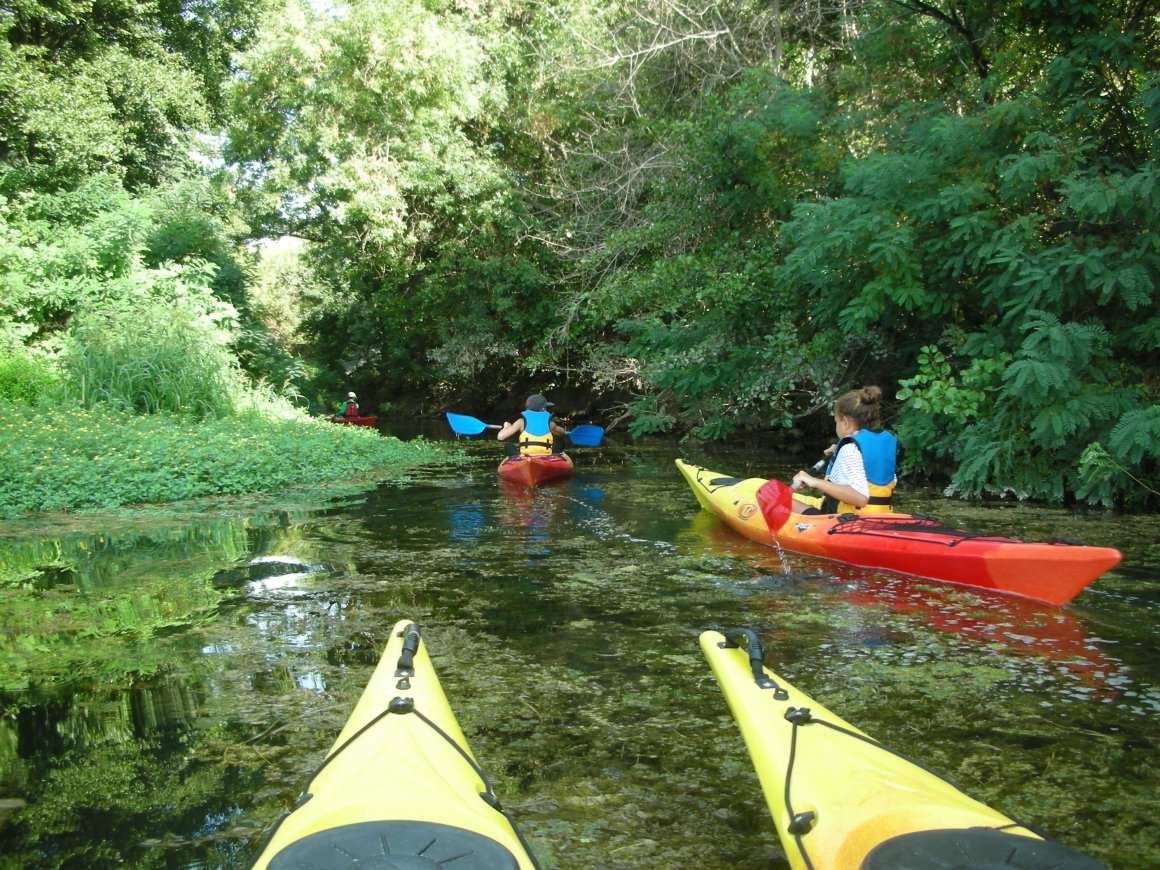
151,360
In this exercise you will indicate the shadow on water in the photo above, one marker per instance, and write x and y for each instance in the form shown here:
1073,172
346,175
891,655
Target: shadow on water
168,686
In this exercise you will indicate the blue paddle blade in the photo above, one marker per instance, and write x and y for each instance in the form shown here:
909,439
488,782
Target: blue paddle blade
586,436
463,425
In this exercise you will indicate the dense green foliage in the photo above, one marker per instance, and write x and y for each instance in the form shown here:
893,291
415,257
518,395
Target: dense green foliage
73,459
23,379
380,150
94,86
713,219
59,460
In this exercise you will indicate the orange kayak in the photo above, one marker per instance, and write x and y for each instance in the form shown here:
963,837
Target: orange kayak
1053,573
534,470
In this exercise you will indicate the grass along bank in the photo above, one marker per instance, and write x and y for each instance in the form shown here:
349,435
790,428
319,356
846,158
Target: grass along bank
68,460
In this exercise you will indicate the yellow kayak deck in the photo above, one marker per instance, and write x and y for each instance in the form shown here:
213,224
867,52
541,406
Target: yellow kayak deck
839,799
400,786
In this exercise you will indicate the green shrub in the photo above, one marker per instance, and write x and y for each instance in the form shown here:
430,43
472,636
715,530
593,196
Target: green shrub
1053,421
25,379
161,346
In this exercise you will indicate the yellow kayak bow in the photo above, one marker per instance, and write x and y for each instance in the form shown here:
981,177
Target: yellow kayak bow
400,788
842,801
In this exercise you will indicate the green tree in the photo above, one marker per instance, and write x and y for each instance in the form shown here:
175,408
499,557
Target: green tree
370,134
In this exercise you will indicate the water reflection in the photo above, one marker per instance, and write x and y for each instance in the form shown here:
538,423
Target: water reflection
529,511
193,675
466,522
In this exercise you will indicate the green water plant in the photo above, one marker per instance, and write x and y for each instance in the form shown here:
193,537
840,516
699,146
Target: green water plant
67,460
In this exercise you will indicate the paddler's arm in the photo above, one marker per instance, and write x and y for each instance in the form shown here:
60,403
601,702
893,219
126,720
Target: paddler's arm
840,491
510,429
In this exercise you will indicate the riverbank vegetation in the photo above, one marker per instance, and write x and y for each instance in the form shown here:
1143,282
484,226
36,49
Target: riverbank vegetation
65,460
708,220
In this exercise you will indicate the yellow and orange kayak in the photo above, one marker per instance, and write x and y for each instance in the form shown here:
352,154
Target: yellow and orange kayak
534,470
400,787
842,801
1053,573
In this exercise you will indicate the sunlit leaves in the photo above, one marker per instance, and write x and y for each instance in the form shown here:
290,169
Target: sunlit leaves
361,113
110,86
369,131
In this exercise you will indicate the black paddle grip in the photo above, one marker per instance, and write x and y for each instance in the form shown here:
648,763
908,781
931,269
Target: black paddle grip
752,646
410,647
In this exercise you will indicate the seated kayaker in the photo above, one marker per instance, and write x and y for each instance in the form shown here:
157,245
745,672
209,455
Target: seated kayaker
349,407
860,476
539,433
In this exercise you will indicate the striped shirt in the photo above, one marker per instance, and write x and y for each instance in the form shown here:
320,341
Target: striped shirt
849,470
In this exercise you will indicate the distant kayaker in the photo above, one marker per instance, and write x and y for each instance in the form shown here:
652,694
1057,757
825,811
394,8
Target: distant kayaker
860,476
539,432
349,407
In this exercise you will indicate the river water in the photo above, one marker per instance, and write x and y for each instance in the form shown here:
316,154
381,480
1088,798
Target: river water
168,683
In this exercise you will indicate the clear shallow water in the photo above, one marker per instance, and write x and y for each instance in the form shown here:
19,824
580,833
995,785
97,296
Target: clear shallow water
168,685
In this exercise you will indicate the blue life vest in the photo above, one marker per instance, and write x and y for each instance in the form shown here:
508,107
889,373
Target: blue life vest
879,454
536,439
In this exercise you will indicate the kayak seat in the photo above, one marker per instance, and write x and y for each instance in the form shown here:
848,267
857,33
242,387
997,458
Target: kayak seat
974,849
395,845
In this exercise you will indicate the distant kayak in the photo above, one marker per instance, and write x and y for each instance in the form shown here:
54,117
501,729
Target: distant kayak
534,470
400,787
1053,573
355,421
842,801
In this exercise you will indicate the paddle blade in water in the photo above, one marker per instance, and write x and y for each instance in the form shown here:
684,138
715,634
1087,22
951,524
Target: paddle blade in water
463,425
586,436
776,502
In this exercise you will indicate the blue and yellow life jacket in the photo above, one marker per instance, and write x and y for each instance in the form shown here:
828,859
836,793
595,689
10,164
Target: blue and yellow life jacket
879,452
536,439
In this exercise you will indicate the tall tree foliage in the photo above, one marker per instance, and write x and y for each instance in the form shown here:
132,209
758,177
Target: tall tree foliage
1027,229
102,205
988,187
672,170
724,214
110,86
373,132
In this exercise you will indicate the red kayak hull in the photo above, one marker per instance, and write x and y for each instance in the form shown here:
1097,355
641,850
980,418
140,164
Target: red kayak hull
355,421
1053,573
534,470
